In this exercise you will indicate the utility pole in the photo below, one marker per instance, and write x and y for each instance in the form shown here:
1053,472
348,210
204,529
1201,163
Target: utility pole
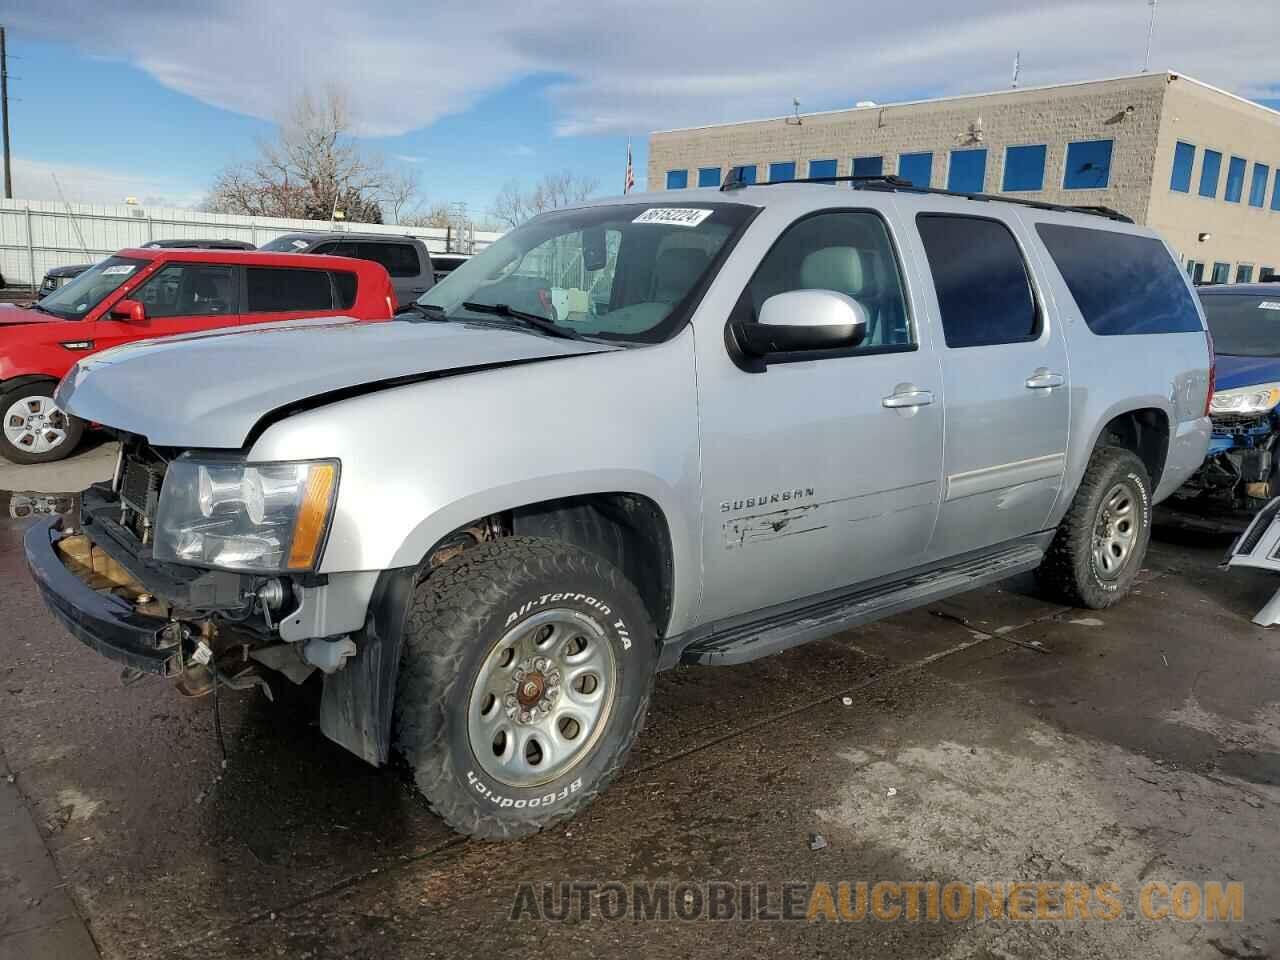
4,115
1151,29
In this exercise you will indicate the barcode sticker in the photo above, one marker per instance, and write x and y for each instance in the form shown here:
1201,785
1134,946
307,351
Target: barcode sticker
1269,305
676,216
118,270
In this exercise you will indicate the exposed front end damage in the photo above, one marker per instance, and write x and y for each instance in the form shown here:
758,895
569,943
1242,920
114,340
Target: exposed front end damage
1237,475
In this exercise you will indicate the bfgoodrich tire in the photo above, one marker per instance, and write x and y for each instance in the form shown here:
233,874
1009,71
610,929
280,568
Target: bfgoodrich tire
526,676
1102,541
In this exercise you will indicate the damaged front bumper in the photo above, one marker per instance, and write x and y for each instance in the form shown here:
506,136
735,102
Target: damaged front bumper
110,624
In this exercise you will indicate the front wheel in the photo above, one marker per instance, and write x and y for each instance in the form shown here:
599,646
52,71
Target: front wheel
526,676
35,429
1102,541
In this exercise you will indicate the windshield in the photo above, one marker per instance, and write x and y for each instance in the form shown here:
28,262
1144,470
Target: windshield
286,244
620,272
77,297
1244,325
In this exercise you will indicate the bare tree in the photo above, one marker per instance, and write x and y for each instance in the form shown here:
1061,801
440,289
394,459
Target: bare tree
312,168
400,190
512,206
436,215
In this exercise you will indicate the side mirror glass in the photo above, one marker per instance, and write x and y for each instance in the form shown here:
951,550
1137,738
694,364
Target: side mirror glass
131,311
805,320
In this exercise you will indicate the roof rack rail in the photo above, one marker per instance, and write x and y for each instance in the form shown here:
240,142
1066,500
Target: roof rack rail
888,181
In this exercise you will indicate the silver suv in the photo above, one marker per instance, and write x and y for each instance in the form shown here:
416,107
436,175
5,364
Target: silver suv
406,257
695,427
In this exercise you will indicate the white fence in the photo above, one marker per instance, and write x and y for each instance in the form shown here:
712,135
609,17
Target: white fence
36,235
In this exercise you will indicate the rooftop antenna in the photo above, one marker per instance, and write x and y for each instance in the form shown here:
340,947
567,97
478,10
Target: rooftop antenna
1151,29
795,120
1017,69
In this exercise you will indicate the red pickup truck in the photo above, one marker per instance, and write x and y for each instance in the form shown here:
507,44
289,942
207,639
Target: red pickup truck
144,294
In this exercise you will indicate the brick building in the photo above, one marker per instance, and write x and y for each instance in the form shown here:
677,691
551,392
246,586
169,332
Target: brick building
1197,163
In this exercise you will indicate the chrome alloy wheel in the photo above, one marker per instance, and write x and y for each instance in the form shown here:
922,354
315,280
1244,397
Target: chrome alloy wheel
1115,531
35,424
542,697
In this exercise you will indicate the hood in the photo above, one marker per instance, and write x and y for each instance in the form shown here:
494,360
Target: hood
11,315
1234,372
211,389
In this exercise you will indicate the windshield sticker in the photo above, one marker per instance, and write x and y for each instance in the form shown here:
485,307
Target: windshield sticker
118,270
1269,305
299,244
676,216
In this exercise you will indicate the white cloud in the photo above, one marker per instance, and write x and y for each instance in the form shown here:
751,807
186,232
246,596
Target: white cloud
34,179
408,158
631,68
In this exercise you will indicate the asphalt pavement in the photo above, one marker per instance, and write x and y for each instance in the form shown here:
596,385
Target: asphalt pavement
990,738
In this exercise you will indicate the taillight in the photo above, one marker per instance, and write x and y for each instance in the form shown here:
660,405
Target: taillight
1213,372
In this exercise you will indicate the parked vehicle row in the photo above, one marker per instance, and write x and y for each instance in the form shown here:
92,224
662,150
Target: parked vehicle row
157,292
689,427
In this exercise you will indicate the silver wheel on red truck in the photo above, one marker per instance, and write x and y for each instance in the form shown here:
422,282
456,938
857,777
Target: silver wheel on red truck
35,429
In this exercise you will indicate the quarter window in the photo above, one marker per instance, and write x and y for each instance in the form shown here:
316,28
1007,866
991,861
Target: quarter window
868,166
344,288
1184,158
1235,180
278,289
968,172
677,179
847,252
981,279
1024,168
781,172
708,176
822,168
1210,170
1258,186
1122,283
190,290
1088,165
916,168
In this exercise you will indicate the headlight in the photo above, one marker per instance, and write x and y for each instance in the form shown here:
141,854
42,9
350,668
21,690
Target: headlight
1246,401
263,517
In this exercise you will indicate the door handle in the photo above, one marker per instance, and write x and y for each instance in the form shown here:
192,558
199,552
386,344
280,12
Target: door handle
907,398
1043,379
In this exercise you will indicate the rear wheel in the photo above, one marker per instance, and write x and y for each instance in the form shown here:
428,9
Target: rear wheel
1102,541
35,429
525,679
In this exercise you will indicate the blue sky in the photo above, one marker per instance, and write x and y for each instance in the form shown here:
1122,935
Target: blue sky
148,99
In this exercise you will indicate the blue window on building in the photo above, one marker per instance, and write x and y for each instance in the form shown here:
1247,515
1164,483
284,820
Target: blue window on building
822,168
868,166
1221,273
1235,180
968,171
708,176
1024,168
1088,165
1209,173
916,168
1184,158
1275,192
677,179
778,172
1258,186
745,173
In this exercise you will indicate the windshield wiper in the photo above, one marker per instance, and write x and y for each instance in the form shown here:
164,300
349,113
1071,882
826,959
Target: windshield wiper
429,310
532,319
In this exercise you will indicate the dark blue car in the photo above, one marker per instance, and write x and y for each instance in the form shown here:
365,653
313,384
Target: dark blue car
1242,470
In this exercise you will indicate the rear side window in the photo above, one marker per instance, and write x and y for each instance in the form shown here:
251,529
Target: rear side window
1121,282
276,289
984,291
344,289
400,259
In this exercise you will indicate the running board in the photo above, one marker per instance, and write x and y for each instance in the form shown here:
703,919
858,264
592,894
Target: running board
781,632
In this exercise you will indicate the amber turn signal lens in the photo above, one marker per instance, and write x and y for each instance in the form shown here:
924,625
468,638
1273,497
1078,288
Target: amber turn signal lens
313,517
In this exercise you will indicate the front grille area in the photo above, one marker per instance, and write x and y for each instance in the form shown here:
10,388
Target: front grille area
139,490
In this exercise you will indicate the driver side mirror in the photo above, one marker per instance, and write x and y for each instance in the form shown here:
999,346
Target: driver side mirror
804,320
131,311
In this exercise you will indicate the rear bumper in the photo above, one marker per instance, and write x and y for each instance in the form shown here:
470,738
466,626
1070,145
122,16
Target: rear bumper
101,621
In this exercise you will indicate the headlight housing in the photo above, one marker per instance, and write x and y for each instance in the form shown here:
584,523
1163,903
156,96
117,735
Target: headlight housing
250,517
1245,401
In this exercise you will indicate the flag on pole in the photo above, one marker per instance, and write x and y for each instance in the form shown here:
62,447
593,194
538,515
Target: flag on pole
629,183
